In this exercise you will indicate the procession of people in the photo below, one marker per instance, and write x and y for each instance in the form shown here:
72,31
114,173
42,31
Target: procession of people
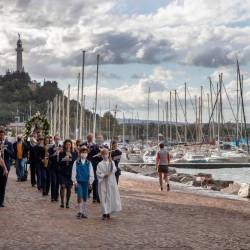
57,167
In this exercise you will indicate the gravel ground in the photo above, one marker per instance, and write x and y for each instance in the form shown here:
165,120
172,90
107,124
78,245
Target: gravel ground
150,220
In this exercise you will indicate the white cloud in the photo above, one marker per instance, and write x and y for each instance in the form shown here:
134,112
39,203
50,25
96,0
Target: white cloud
193,32
187,31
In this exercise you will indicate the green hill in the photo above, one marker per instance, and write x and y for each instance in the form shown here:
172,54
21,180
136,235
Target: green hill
18,93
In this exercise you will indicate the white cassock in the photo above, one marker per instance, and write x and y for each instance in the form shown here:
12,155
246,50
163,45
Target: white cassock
107,188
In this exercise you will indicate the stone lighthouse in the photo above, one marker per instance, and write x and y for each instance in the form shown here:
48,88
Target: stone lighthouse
19,55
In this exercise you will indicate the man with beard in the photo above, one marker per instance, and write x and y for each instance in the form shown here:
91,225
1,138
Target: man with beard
7,154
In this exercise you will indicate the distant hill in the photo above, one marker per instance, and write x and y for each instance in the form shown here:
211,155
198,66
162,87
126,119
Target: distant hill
18,93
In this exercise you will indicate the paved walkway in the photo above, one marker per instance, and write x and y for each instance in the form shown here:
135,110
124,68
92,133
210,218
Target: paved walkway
150,220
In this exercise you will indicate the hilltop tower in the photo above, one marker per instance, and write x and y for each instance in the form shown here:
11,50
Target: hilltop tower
19,55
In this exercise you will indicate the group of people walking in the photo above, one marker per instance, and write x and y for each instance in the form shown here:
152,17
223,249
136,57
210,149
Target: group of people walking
55,168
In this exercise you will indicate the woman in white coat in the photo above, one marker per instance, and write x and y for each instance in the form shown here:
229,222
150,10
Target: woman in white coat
107,186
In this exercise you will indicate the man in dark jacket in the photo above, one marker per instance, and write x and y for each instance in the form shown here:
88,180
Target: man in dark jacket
94,157
7,154
32,159
54,151
116,154
20,156
38,158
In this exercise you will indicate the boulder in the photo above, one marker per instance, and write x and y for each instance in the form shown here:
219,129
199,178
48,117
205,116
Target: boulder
171,171
222,184
218,185
175,178
197,183
215,188
204,175
187,179
190,183
152,174
244,191
232,188
129,169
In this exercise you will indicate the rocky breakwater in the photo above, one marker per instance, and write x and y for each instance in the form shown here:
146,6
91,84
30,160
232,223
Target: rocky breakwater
240,189
203,180
200,180
144,170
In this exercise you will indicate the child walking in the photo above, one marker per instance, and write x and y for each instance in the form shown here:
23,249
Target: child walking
107,186
82,177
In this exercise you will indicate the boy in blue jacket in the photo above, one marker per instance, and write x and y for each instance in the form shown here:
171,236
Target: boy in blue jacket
82,177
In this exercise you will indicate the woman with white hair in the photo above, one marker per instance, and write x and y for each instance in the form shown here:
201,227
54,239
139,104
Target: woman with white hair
107,186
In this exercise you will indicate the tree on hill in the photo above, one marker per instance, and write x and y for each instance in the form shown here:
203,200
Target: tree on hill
16,96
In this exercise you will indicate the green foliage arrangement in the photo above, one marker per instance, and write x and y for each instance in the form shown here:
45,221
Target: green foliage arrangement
37,123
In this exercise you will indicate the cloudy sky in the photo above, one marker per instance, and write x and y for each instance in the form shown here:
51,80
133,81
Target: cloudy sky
144,43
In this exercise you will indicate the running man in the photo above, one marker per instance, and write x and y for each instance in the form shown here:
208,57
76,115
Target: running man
162,162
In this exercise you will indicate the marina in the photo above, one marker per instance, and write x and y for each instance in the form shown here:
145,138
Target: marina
125,124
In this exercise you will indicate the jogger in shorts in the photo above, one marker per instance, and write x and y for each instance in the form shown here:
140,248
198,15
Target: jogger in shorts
162,162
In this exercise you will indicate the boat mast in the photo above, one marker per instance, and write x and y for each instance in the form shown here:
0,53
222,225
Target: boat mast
176,115
63,117
201,115
77,106
68,108
196,119
109,122
51,118
199,119
219,111
209,113
212,105
167,120
96,91
185,132
138,126
221,108
54,114
238,104
148,114
123,130
158,123
132,126
59,115
170,114
82,87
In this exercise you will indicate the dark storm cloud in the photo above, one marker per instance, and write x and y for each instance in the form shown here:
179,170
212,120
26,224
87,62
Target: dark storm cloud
136,76
213,57
122,48
55,13
153,84
22,4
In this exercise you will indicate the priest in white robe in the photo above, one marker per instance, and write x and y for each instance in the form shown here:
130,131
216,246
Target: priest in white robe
107,186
